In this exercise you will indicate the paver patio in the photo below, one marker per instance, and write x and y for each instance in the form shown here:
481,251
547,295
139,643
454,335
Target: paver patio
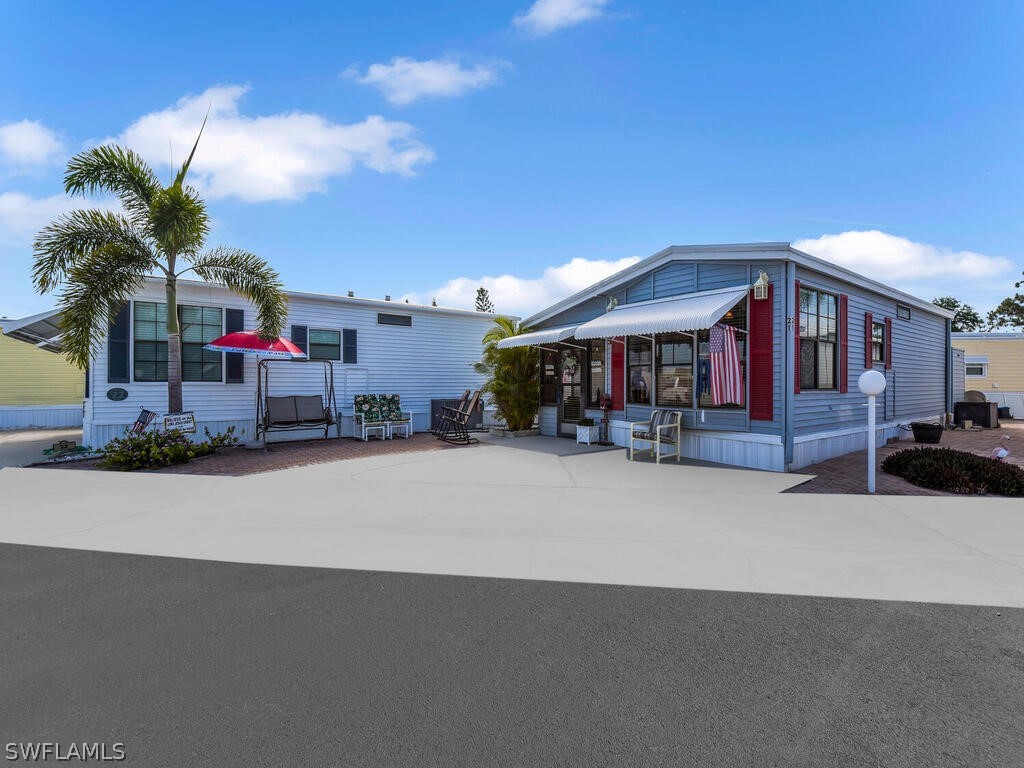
848,474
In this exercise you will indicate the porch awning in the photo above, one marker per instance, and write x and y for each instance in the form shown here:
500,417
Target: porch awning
696,312
543,336
42,330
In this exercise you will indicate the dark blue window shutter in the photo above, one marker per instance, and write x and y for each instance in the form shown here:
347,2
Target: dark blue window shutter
117,346
300,333
348,345
234,367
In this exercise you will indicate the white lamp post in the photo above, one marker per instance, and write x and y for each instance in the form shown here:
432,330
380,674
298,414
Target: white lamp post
872,384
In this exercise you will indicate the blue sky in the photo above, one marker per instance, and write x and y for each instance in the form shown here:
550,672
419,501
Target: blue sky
421,149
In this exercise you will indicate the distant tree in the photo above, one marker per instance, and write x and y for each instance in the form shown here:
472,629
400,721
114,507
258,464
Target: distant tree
965,318
483,300
1010,312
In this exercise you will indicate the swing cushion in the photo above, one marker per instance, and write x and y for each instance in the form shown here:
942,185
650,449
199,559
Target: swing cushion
281,411
310,409
367,409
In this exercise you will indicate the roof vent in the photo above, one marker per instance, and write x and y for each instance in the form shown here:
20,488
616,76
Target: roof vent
351,294
387,298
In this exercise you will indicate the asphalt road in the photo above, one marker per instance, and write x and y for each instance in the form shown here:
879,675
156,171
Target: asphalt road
192,662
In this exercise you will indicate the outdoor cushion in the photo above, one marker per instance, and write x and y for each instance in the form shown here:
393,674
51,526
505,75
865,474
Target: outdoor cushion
281,410
391,408
310,409
367,408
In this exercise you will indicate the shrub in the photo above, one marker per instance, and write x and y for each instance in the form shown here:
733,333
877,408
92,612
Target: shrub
222,439
151,450
944,469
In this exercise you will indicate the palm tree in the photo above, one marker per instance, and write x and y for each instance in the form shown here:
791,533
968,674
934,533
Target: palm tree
512,375
101,258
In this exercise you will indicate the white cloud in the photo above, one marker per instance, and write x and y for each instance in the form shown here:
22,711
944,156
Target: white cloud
22,216
284,156
920,269
404,80
547,16
28,144
524,295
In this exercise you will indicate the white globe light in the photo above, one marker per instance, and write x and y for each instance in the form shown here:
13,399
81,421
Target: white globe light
871,383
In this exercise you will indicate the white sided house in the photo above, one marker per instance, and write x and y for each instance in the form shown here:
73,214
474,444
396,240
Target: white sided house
418,352
645,338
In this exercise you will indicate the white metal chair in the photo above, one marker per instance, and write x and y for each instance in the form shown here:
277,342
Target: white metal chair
663,428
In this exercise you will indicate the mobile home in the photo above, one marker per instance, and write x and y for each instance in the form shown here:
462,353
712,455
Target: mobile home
803,329
994,364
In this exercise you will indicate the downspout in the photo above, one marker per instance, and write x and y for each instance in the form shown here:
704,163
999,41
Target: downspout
949,369
789,369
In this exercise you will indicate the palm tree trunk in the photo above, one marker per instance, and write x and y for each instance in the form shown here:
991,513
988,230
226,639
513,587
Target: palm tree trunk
174,399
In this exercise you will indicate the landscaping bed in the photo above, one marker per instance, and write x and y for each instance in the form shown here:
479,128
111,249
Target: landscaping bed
945,469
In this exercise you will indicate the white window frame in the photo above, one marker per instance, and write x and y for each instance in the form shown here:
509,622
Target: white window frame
982,375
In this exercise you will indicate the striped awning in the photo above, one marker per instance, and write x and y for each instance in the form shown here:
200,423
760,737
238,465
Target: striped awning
42,330
535,338
696,312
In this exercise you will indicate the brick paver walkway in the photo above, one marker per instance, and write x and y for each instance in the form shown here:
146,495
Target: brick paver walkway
239,461
848,474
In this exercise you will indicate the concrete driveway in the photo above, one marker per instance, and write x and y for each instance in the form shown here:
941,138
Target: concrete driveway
25,446
513,512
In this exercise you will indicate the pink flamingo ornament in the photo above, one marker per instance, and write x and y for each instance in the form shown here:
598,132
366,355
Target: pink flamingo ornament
1002,450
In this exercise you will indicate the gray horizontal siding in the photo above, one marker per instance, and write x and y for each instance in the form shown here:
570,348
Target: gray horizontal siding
916,384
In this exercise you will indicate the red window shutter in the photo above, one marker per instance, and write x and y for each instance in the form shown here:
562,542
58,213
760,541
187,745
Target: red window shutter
844,343
796,340
761,368
888,343
868,359
618,374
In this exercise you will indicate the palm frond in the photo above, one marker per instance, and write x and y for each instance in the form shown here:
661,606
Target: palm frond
178,220
97,286
75,236
250,276
113,170
180,178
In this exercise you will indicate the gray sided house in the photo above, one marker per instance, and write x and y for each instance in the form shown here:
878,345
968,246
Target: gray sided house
420,353
651,335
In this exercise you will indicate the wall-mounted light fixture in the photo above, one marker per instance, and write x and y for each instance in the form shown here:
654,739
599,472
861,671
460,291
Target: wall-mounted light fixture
761,286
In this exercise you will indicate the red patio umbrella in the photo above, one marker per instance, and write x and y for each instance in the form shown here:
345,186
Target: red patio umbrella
249,343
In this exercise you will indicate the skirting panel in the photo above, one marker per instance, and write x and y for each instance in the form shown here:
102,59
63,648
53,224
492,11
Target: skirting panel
41,416
810,449
740,449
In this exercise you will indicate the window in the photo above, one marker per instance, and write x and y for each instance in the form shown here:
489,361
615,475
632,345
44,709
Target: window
976,369
324,345
150,341
548,377
200,326
735,318
902,312
384,319
595,357
878,342
818,335
638,370
674,374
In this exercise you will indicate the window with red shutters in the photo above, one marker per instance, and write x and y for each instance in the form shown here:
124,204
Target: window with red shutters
844,343
618,374
761,368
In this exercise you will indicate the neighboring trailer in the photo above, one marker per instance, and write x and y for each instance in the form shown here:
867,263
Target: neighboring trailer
994,364
38,389
420,353
799,364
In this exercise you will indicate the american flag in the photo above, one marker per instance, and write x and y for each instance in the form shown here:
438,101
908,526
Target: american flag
726,374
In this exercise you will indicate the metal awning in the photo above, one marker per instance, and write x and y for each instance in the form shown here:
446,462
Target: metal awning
975,359
534,338
42,330
695,312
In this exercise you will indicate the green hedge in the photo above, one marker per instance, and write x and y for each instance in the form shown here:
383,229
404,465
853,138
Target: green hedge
943,469
155,449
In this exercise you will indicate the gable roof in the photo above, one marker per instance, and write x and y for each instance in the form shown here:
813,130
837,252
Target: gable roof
772,251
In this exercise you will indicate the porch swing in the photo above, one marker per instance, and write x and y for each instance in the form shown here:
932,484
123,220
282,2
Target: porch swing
286,413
